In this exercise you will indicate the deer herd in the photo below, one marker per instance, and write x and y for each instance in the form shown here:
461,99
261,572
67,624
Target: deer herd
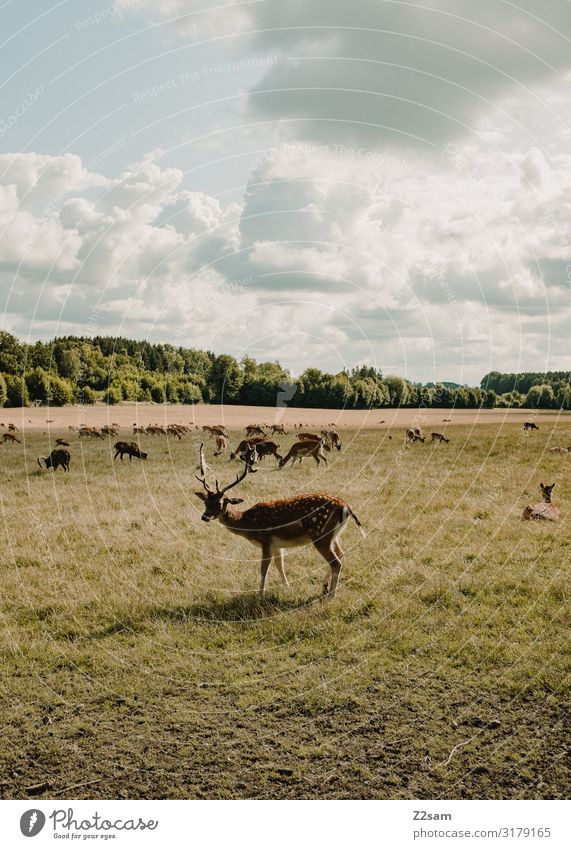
318,519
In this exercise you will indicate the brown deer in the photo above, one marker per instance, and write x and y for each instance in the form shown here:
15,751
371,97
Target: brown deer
559,450
129,448
278,428
319,519
58,457
438,437
255,430
411,435
244,443
546,510
314,437
9,437
305,448
221,445
13,427
332,439
62,442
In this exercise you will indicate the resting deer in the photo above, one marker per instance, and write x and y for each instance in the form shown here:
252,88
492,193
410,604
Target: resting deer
305,448
545,510
288,522
438,437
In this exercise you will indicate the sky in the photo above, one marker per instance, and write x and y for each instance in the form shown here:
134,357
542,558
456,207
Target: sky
327,184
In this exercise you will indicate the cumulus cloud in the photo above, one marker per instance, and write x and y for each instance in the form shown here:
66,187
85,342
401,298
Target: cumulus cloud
382,73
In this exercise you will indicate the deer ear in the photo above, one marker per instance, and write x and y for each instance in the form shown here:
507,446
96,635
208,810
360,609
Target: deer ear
235,500
201,495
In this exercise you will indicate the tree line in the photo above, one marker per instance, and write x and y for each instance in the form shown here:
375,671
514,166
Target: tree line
81,370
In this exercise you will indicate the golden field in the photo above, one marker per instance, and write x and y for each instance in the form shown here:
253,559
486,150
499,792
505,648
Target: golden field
139,662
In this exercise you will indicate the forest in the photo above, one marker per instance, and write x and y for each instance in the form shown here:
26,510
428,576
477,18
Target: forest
105,369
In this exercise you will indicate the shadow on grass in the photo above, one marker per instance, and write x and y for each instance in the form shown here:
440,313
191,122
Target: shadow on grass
239,608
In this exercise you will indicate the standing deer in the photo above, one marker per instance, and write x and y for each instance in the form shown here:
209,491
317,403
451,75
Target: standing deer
530,426
305,448
9,437
319,519
546,510
413,435
438,437
221,445
58,457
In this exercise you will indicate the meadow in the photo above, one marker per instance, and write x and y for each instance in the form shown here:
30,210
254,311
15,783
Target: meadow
137,660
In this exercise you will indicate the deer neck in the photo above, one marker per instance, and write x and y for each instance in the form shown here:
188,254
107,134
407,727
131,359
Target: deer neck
232,519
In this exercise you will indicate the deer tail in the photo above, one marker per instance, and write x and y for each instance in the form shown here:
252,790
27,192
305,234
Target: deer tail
357,522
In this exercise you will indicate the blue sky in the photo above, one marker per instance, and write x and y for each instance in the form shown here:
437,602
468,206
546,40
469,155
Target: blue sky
322,184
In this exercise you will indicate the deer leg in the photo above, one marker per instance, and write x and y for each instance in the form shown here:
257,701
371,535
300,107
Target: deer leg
331,552
279,561
266,560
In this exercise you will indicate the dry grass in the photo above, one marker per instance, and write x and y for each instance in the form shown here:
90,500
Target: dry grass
137,660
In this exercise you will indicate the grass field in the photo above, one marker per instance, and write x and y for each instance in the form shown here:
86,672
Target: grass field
138,662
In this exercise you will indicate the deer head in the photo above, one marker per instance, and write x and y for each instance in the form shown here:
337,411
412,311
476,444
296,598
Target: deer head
215,500
546,492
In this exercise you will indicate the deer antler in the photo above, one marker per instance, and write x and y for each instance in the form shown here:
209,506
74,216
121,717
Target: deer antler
203,469
250,458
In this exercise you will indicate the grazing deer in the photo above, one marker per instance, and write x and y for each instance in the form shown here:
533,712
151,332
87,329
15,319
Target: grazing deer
546,510
137,429
305,448
278,428
438,437
62,442
244,443
314,437
58,457
13,427
559,450
255,430
412,436
174,430
319,519
332,439
9,437
221,445
129,448
530,426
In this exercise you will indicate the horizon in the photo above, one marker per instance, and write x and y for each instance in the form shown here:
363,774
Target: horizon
221,180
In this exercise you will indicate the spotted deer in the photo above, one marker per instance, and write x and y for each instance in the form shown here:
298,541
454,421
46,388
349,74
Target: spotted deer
546,509
319,519
305,448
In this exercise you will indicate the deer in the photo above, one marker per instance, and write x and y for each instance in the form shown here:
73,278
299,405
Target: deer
438,437
254,430
318,518
58,457
278,428
129,448
244,443
174,430
221,445
9,437
138,429
12,427
559,450
545,510
305,448
332,439
62,442
412,436
530,426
